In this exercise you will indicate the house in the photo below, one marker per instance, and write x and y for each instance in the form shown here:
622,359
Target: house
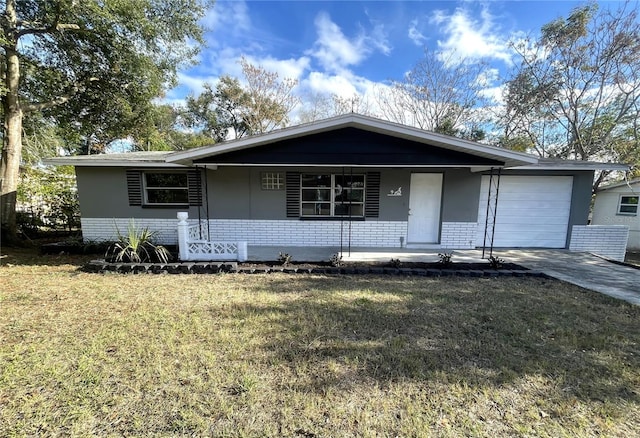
617,204
349,180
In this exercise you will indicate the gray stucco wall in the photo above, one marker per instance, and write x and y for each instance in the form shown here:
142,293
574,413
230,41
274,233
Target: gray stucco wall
461,193
236,193
102,192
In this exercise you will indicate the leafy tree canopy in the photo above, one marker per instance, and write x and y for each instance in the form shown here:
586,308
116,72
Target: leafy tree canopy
576,91
88,67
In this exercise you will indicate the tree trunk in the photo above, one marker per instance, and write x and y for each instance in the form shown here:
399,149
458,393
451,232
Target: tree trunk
12,142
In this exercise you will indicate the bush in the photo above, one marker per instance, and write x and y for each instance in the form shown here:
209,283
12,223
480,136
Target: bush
137,246
47,198
445,258
284,259
336,260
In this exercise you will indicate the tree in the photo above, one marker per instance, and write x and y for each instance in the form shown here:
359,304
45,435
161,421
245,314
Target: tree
576,89
164,128
440,94
261,104
323,106
91,66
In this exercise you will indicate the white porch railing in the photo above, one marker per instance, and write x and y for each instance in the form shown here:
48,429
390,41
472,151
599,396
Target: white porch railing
194,244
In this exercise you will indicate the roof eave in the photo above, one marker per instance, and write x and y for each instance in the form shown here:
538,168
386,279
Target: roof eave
575,166
70,161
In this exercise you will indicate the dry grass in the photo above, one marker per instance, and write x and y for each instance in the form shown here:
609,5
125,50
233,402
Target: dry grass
310,356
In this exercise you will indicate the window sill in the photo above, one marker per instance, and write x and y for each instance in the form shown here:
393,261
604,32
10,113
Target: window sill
332,218
165,206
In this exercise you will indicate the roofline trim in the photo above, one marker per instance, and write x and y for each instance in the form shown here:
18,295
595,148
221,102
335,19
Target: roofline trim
70,161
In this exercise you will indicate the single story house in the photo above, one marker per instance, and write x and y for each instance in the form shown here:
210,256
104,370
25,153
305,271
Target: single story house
617,204
350,179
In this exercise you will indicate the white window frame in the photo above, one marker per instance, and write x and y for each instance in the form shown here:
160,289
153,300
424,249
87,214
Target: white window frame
272,181
332,200
627,204
146,187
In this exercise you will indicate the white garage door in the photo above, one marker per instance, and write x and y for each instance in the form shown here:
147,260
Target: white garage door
533,211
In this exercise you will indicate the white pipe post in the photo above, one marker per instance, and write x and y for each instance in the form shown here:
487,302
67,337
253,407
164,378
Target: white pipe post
183,235
242,251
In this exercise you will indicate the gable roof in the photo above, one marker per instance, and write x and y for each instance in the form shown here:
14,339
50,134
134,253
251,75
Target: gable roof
630,184
482,156
365,123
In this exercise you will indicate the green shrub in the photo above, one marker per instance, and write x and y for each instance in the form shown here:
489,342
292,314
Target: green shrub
336,260
445,258
137,246
284,259
495,262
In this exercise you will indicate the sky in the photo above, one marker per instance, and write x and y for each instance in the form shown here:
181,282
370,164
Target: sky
350,47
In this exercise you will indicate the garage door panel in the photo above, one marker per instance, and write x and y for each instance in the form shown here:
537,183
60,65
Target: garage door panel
546,210
526,197
507,228
532,211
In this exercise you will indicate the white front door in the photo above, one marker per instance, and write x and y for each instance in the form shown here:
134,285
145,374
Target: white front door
424,207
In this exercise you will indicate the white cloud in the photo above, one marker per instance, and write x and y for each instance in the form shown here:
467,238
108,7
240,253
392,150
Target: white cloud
378,38
415,35
232,16
286,68
323,83
335,51
470,39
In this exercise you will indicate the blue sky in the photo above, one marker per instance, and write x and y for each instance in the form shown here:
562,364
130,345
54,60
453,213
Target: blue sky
347,47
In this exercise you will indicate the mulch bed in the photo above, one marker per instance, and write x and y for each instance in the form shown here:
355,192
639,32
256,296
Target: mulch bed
351,268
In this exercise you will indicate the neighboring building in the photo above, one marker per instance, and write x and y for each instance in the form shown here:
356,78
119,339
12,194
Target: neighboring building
617,204
346,180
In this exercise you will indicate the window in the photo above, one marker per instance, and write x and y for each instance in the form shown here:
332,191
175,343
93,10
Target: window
166,188
628,205
272,181
326,195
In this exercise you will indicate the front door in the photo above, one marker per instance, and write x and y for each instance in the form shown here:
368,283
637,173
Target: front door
424,207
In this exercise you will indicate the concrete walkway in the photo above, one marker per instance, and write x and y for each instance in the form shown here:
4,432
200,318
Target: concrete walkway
582,269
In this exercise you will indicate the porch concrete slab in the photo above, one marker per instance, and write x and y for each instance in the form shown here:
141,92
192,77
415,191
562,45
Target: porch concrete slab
582,269
323,254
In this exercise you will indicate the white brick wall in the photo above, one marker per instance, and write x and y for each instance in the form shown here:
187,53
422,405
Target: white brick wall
309,233
606,240
262,232
458,235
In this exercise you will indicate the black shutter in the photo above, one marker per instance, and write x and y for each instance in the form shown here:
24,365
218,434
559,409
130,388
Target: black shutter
134,187
194,183
293,194
372,193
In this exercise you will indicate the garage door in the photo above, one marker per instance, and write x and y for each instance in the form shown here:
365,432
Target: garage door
533,211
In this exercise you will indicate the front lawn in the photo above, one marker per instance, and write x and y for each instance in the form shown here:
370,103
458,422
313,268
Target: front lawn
310,356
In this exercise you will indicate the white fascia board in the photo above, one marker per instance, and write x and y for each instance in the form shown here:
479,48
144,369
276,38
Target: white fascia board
586,166
361,122
64,161
474,168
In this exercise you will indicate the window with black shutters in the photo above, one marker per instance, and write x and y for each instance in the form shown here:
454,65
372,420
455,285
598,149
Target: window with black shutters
164,188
